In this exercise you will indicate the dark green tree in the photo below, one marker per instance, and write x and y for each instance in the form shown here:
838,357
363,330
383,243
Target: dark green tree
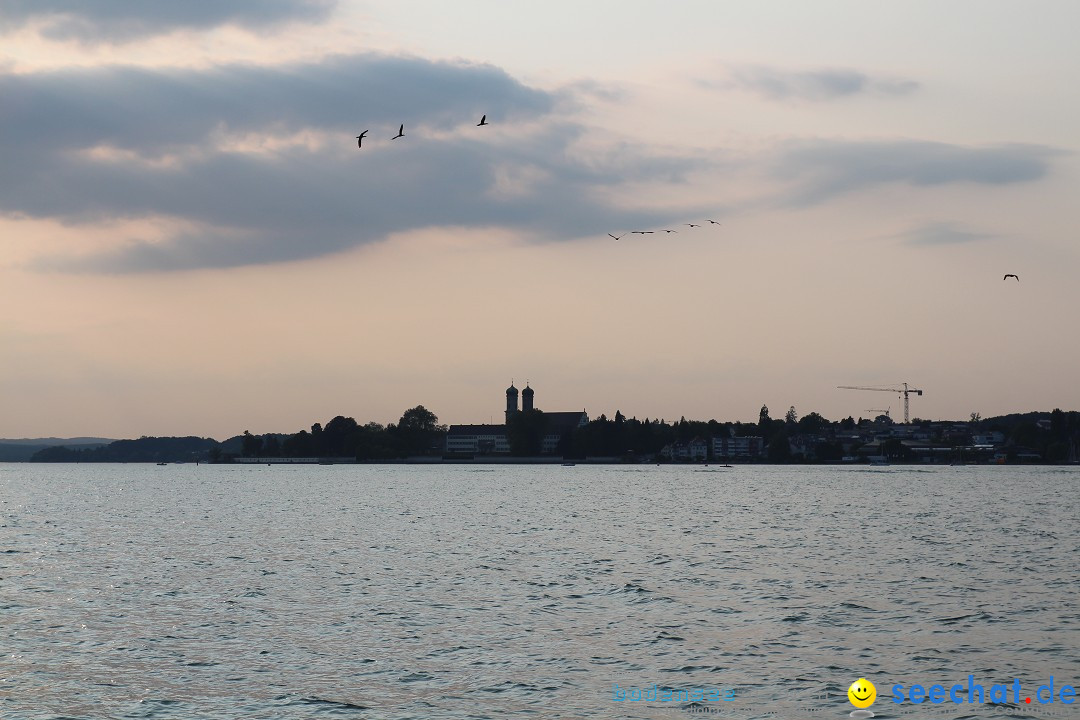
765,423
778,451
1025,434
271,446
375,443
812,424
298,445
251,445
340,437
418,432
1059,422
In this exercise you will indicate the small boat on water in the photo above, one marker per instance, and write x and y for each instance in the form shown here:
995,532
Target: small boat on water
163,463
568,464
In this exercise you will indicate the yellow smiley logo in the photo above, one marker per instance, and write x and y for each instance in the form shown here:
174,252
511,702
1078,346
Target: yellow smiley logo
862,693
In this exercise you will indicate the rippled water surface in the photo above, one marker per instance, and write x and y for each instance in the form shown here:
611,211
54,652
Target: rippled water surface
184,591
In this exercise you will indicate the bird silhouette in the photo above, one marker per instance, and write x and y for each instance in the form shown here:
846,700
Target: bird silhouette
641,232
617,237
400,132
483,121
691,224
715,223
671,231
1010,275
360,139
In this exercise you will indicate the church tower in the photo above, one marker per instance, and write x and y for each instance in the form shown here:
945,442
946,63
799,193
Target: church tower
527,398
511,401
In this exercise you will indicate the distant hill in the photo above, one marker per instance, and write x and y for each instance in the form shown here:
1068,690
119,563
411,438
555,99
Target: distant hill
23,449
51,441
145,449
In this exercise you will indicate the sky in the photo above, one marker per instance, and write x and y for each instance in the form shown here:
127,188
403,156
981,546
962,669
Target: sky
191,242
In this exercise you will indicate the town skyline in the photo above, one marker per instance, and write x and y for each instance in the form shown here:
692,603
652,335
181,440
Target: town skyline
194,241
890,412
532,435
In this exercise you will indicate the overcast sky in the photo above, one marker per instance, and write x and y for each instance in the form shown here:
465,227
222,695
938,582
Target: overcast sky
193,243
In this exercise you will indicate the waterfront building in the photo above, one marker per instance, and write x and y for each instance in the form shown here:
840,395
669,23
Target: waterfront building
476,439
737,448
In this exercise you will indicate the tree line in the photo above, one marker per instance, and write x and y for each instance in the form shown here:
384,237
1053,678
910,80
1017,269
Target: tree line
418,432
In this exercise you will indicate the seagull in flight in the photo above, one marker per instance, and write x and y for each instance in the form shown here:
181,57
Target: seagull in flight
617,237
400,132
360,139
641,232
715,223
483,121
671,231
691,224
1010,275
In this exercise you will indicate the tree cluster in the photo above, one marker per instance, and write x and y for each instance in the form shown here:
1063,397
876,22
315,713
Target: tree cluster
621,437
418,432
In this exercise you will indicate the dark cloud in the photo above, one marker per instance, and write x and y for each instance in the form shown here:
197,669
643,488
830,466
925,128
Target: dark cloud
161,131
154,112
777,84
117,21
820,170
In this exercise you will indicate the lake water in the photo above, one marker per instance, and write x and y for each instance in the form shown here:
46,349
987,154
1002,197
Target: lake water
184,591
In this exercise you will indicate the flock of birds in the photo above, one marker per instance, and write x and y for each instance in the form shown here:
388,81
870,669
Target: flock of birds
401,132
650,232
483,122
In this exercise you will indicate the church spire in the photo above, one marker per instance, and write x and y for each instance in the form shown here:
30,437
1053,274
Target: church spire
511,401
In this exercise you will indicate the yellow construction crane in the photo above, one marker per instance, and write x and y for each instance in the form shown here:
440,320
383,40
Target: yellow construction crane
901,389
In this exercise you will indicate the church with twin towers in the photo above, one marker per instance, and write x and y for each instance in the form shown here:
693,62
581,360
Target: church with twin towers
512,399
470,440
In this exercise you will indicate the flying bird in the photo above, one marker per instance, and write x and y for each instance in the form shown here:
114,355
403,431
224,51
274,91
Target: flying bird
715,223
400,132
671,231
616,236
691,224
641,232
483,121
1010,275
360,139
